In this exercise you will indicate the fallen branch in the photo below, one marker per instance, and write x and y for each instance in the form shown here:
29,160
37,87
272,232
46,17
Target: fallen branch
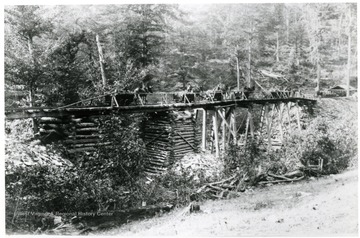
278,176
280,181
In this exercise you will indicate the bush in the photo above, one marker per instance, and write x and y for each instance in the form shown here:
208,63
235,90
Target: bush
319,142
247,159
97,181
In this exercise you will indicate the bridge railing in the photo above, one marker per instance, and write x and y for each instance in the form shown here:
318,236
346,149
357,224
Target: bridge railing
163,98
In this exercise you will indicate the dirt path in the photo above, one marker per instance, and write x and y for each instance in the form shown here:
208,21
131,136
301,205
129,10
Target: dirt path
321,206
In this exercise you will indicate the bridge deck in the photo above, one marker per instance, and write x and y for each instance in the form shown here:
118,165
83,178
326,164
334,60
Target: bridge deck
20,113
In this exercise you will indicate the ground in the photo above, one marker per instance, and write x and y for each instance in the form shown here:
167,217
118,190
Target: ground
326,206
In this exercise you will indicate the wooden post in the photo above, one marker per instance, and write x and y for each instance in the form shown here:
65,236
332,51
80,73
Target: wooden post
298,115
288,115
247,127
261,121
223,110
233,121
280,122
216,133
268,126
251,121
203,138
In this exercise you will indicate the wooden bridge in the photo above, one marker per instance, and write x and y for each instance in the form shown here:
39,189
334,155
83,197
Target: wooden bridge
215,121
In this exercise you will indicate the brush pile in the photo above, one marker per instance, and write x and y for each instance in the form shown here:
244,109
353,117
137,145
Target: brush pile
204,166
240,181
18,154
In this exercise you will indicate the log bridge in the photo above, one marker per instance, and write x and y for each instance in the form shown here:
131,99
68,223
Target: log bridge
207,125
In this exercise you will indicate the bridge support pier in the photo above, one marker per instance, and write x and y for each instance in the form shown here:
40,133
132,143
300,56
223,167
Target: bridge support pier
203,136
233,125
216,133
298,115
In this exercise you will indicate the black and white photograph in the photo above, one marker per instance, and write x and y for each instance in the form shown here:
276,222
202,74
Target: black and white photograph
180,119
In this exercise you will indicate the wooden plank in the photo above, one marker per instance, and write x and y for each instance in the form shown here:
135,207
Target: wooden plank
216,135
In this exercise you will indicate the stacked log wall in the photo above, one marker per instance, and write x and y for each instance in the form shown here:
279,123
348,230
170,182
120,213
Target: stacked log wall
77,133
168,136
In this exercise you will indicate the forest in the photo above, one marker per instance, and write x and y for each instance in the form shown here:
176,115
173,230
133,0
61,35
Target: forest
56,55
61,54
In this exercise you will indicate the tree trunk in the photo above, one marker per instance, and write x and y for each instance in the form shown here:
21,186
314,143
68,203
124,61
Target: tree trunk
277,46
349,57
287,26
339,36
101,61
318,73
31,84
249,77
238,73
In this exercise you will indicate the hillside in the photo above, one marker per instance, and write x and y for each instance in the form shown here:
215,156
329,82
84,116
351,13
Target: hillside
323,206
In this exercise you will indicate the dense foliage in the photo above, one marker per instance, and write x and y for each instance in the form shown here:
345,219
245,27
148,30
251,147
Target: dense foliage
62,54
95,181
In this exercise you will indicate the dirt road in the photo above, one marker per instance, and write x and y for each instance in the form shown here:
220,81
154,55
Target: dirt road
326,206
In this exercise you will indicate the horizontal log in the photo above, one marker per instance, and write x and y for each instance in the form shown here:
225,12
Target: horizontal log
183,151
158,153
91,144
158,160
83,149
153,162
158,156
180,147
156,150
182,142
87,129
155,169
86,124
84,136
81,141
51,126
53,120
56,131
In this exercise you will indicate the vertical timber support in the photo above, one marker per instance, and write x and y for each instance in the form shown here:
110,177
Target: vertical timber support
281,109
268,129
233,123
298,115
262,118
203,136
247,127
223,128
216,132
251,122
288,105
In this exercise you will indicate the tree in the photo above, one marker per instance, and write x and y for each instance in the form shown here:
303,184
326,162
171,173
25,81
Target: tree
26,25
